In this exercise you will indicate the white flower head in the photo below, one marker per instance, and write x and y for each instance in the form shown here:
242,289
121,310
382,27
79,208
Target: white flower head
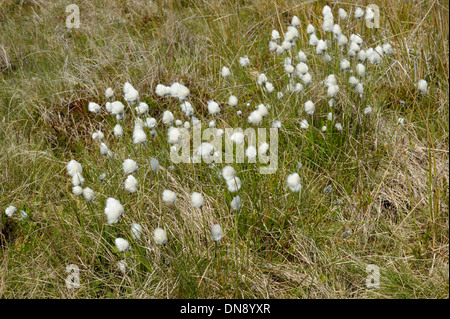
197,200
129,166
130,94
310,29
401,121
368,110
301,56
326,11
98,136
118,131
234,184
94,107
131,184
275,35
331,102
117,108
304,124
293,182
289,69
309,107
122,265
122,244
359,88
370,14
295,21
213,107
168,117
359,13
280,95
136,231
10,211
150,122
216,232
387,49
162,90
179,91
77,179
332,90
345,65
255,117
88,194
228,173
269,87
73,167
237,137
330,116
108,106
77,190
360,69
342,14
262,79
113,210
321,47
169,197
236,203
263,148
342,40
232,101
361,55
276,124
338,127
251,153
301,68
174,135
142,108
422,86
109,93
226,72
160,236
154,164
244,61
273,46
307,79
328,24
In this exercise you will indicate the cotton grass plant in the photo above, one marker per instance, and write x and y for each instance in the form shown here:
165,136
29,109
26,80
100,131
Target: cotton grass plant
153,228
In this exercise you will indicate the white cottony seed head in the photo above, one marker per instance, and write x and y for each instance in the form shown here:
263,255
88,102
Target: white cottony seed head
129,166
197,200
113,210
10,211
293,182
160,236
216,232
122,244
169,197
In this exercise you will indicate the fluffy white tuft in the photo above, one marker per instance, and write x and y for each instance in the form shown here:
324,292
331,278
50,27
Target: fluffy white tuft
160,236
216,232
136,231
122,244
88,194
197,200
129,166
169,197
131,184
213,107
73,167
113,210
293,182
94,107
10,211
